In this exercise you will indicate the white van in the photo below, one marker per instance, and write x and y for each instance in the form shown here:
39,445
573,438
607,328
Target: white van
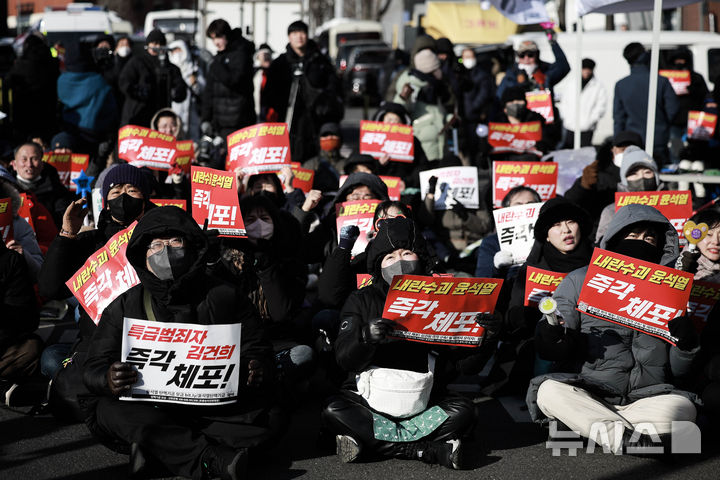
183,24
78,20
336,32
606,47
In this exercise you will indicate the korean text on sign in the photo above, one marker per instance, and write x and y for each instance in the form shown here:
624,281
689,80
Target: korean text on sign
701,125
104,276
540,101
143,147
540,283
6,220
679,80
360,213
68,166
264,147
440,310
391,139
515,137
703,297
676,205
631,292
515,228
455,184
182,363
540,176
215,199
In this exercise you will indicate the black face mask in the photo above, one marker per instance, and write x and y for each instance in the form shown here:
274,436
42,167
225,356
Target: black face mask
516,110
639,249
125,208
642,185
170,263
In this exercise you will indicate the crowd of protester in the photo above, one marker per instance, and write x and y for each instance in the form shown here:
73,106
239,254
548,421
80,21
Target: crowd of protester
291,283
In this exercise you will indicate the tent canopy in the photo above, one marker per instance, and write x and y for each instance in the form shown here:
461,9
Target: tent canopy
616,6
467,23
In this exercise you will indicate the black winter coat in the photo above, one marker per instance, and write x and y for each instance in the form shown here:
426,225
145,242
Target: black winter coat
17,298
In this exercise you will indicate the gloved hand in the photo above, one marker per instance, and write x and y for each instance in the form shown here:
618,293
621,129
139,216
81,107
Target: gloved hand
461,211
120,377
589,176
432,183
503,259
687,262
348,235
377,330
491,322
683,329
551,34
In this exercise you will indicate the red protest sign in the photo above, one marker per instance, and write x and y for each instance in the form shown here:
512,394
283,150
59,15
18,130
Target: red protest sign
105,275
540,101
261,148
679,80
440,310
634,293
392,139
515,137
170,202
185,154
703,297
142,147
6,220
701,125
24,210
540,176
215,199
540,283
302,178
360,213
676,205
363,280
61,162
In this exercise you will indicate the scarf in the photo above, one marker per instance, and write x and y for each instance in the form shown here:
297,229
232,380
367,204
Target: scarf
707,270
544,255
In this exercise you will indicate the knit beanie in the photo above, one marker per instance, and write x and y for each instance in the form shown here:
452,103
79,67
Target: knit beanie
126,173
156,36
426,61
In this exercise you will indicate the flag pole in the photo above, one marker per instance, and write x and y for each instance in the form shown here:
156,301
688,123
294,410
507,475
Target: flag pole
578,82
652,90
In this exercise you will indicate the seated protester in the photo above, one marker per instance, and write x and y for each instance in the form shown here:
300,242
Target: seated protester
359,162
395,114
436,433
491,261
20,348
625,376
638,173
169,253
514,110
283,194
596,187
329,161
40,178
24,242
168,122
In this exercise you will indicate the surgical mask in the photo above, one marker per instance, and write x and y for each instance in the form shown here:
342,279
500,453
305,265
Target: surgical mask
123,51
516,110
617,159
260,229
125,208
529,68
469,63
328,144
642,185
402,267
175,58
170,263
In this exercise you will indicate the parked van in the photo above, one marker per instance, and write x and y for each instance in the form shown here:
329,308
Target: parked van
339,31
606,48
76,21
182,24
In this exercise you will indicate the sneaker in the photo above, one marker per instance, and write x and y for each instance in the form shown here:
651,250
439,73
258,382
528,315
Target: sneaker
27,394
224,463
448,454
347,448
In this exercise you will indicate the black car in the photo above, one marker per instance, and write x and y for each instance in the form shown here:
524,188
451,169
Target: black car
364,67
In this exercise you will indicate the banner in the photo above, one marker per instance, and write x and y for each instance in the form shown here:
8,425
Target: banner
68,166
442,311
634,293
515,137
360,213
540,101
170,202
624,6
24,210
185,155
264,147
539,284
701,125
215,198
540,176
393,184
182,363
105,275
6,220
392,139
522,12
143,147
679,80
302,178
703,297
515,227
455,184
676,205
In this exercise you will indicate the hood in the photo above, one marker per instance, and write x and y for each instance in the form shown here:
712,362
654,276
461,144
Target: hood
10,189
162,110
634,213
685,54
163,221
421,43
184,52
376,185
279,197
634,156
396,233
395,108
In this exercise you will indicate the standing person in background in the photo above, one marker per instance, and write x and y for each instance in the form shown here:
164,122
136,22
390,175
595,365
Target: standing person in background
479,99
263,59
189,109
593,106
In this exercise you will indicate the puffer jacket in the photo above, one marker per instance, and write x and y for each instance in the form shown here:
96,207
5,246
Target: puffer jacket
619,364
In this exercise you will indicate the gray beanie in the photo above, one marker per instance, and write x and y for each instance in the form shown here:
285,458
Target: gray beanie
426,61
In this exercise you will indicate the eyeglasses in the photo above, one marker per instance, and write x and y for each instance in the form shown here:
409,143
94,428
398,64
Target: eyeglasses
159,245
527,54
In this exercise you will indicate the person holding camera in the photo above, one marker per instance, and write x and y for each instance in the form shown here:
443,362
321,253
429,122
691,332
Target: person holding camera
150,82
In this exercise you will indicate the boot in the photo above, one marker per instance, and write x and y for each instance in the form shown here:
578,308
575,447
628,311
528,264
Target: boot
347,448
448,454
698,166
685,167
224,463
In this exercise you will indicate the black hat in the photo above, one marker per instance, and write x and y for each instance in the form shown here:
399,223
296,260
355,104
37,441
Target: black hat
444,45
126,173
556,210
627,138
156,36
297,26
394,233
512,93
330,128
360,159
588,63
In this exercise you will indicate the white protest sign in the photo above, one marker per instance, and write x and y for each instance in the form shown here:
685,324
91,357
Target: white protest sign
522,12
455,184
182,363
515,229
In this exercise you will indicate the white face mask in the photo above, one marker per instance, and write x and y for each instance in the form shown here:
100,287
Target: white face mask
123,51
528,67
469,63
617,159
260,229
